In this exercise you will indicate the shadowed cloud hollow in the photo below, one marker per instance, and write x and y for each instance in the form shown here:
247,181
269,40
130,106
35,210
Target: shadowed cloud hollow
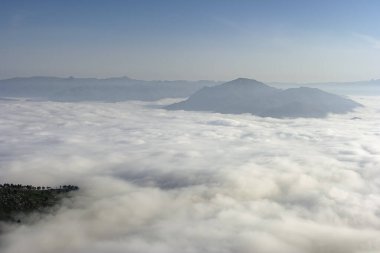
250,96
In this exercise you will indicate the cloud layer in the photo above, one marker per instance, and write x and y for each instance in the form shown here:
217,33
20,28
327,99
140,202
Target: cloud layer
171,181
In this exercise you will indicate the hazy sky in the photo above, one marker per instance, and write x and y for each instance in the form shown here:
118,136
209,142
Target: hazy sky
199,39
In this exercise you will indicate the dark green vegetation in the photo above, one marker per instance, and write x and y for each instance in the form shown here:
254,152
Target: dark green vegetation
17,199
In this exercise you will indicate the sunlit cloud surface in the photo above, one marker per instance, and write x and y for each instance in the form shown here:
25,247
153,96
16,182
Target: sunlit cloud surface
170,181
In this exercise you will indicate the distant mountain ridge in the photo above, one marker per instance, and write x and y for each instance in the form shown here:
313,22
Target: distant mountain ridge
250,96
92,89
116,89
367,87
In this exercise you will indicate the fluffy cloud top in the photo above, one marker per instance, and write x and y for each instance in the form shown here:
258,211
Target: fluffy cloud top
168,181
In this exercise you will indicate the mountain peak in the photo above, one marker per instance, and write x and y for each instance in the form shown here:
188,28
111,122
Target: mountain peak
244,95
243,79
244,82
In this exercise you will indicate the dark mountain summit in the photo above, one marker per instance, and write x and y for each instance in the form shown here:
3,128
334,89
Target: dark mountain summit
232,97
250,96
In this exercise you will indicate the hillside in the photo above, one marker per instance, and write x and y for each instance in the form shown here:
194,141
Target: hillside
16,199
250,96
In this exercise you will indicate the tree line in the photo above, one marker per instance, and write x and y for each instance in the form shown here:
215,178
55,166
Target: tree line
17,199
61,188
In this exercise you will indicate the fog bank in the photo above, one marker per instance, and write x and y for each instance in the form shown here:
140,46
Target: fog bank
170,181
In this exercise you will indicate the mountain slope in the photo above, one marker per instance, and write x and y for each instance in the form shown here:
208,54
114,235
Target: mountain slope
366,88
250,96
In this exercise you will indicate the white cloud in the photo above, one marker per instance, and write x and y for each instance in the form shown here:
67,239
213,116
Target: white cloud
162,181
369,39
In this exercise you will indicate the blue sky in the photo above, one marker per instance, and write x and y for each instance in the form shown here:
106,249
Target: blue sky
294,41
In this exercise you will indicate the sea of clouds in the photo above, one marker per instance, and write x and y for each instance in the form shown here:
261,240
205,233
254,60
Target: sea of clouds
171,181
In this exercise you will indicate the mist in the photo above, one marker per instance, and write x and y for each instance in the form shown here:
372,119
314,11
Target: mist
154,180
189,126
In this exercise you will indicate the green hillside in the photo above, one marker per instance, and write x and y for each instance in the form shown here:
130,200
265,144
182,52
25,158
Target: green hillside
18,199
